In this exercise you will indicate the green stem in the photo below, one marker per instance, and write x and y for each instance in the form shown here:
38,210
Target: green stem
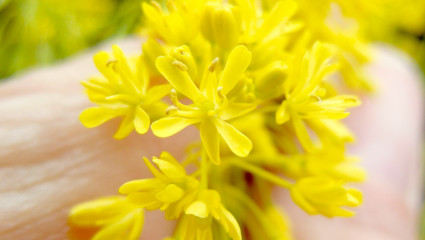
260,173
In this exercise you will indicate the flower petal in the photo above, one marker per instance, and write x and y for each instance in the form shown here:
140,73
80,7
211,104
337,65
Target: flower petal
141,120
302,134
238,61
127,228
199,209
170,194
210,140
172,171
98,212
95,116
156,93
139,185
282,11
171,69
125,127
237,142
229,223
282,113
169,126
235,110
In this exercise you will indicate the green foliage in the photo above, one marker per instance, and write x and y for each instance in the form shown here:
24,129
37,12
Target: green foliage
39,32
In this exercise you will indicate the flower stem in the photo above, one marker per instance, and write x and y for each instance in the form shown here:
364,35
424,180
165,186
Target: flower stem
260,173
204,170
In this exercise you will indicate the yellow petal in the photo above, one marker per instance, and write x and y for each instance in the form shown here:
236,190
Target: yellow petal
138,185
166,156
141,120
125,127
282,11
355,197
229,223
235,110
151,51
302,134
334,211
95,116
337,129
156,93
170,194
341,101
210,140
173,171
101,60
299,199
237,142
237,62
146,200
172,70
282,113
169,126
99,212
198,208
127,228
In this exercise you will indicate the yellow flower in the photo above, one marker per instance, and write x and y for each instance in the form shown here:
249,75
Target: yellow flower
321,195
305,98
171,189
326,162
212,103
124,92
116,217
202,214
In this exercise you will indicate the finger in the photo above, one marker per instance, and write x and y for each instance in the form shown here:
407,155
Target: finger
49,162
389,127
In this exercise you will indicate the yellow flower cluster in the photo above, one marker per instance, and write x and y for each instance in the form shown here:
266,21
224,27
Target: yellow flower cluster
266,83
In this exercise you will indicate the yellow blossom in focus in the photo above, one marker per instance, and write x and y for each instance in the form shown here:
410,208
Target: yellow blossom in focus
211,107
321,195
171,189
116,218
124,92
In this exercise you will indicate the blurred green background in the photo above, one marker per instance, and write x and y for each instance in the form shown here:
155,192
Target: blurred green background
38,32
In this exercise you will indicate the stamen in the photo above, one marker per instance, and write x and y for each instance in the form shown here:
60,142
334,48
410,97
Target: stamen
180,65
171,110
213,65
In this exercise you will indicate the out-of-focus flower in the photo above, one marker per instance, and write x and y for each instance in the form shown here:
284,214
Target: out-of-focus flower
116,218
317,195
171,190
203,214
305,98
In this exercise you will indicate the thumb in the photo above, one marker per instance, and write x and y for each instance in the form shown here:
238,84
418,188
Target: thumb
49,162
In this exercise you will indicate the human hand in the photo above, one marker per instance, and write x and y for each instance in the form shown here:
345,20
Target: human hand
49,162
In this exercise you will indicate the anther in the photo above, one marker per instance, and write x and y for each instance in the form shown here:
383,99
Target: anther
171,110
180,65
213,65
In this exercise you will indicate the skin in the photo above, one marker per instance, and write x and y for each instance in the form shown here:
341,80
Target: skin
49,162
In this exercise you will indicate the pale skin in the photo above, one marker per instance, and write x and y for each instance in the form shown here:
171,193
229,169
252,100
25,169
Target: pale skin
49,161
